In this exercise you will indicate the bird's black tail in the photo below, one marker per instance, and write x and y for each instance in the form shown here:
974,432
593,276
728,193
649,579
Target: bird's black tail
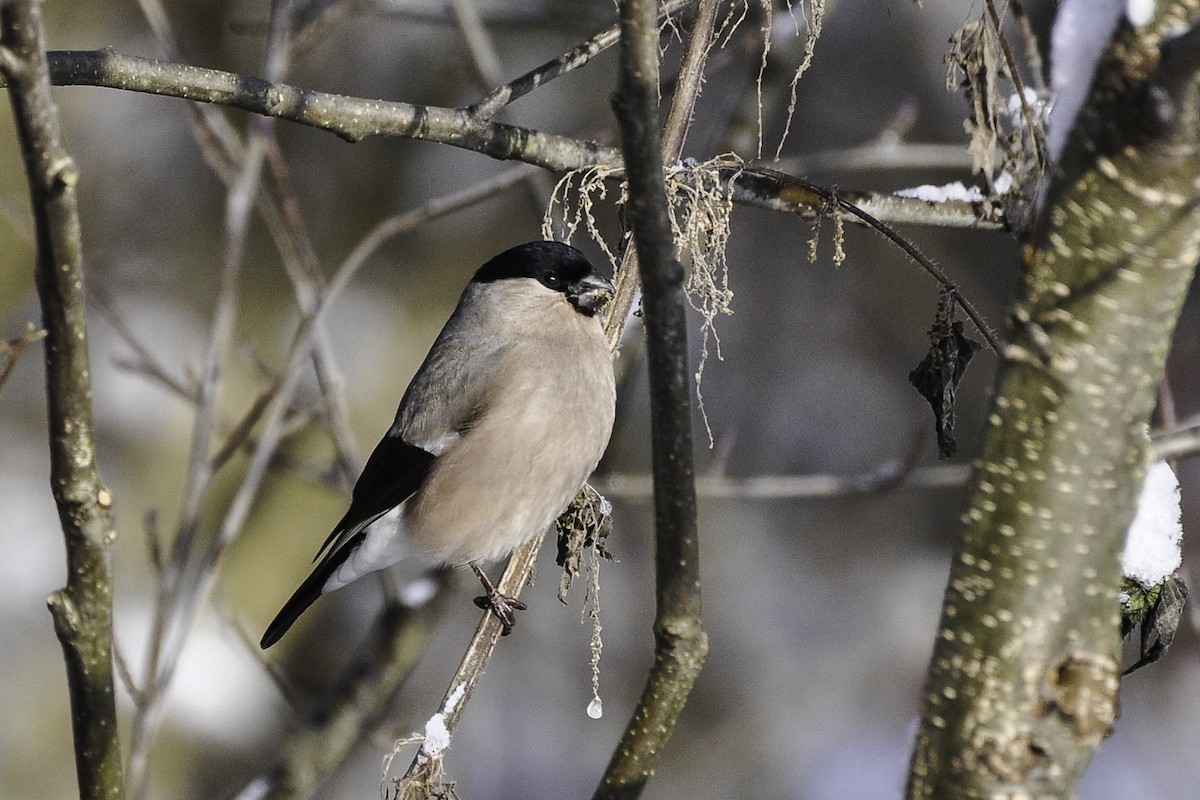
308,592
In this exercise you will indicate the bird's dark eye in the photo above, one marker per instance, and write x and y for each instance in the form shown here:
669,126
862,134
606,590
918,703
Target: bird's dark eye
552,281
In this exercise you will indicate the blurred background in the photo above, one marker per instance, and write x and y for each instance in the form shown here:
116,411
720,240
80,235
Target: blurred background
821,612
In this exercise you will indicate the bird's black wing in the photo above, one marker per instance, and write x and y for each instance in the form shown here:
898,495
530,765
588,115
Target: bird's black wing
393,473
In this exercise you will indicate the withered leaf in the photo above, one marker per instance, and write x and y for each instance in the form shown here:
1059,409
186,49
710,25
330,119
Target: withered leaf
936,378
587,522
1157,613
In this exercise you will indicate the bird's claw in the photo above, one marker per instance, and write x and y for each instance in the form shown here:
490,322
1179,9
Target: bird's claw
504,607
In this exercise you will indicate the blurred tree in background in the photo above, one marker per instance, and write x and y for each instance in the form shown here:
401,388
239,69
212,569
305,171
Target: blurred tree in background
827,519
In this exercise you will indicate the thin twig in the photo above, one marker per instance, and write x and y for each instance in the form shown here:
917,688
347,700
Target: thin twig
172,617
1014,72
15,347
327,16
279,210
231,161
484,58
304,271
82,610
580,55
887,477
1033,52
688,82
832,198
674,135
425,770
1178,442
754,186
880,155
146,363
167,637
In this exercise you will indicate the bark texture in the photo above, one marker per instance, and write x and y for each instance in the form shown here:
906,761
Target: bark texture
1023,682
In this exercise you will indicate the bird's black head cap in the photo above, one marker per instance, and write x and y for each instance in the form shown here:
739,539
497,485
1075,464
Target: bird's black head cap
554,264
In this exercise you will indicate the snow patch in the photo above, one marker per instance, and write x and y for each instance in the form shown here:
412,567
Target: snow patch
1152,544
454,698
940,194
1003,182
437,737
1139,12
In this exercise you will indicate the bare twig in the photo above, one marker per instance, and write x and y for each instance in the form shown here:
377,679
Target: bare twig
424,772
1033,52
15,347
887,477
167,636
146,362
82,610
834,199
1039,151
879,155
279,210
243,168
313,29
512,91
688,83
483,54
675,130
1179,441
752,186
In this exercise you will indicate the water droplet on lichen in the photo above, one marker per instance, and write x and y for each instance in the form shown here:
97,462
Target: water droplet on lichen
595,709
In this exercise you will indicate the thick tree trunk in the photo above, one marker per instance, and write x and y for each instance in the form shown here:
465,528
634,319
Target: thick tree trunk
1023,682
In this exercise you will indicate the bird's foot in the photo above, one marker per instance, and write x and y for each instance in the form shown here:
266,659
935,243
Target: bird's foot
503,606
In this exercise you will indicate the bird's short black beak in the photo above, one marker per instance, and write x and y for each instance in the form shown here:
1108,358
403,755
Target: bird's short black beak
590,294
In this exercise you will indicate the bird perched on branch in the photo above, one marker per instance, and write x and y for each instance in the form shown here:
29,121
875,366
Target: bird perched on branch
497,432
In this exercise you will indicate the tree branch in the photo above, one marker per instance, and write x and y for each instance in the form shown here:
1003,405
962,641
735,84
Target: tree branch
890,476
1023,682
355,118
82,610
421,779
680,641
351,118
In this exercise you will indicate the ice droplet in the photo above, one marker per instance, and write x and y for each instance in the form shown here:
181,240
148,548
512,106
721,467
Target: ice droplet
595,709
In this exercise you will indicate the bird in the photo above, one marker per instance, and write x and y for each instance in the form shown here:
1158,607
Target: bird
497,432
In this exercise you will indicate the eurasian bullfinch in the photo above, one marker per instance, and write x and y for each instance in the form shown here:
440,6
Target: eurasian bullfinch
497,432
